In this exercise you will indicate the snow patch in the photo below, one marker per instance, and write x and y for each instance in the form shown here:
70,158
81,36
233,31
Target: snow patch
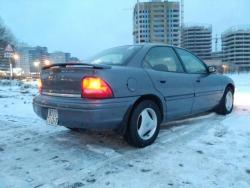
101,150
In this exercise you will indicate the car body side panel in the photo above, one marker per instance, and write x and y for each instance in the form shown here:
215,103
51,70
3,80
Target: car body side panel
130,82
225,80
177,89
208,91
119,77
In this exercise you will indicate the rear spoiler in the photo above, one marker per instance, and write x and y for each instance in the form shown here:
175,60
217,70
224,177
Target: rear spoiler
95,66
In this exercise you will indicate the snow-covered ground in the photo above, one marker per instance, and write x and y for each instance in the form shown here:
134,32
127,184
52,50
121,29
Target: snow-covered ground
208,150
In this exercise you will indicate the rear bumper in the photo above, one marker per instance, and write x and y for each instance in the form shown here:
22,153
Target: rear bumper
85,113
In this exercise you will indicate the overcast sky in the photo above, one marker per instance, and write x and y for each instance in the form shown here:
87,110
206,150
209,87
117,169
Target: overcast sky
84,27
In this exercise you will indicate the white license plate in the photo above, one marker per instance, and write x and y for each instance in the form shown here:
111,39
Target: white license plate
52,118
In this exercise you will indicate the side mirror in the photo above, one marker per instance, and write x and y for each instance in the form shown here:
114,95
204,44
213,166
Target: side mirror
212,69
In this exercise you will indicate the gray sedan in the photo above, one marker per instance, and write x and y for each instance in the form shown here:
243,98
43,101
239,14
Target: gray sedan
132,90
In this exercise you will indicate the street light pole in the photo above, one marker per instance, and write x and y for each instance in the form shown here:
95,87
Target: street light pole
37,63
38,70
10,71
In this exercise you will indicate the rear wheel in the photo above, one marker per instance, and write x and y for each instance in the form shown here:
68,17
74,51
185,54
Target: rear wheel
143,125
227,102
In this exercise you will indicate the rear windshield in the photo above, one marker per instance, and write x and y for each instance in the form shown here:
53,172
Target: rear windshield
114,56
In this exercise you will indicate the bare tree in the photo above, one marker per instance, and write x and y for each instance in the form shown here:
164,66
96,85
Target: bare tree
5,36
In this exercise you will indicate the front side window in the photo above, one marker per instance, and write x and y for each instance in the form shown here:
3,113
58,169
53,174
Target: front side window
163,59
191,62
113,56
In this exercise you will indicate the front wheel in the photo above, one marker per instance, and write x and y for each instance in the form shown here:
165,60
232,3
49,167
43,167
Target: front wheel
227,102
143,125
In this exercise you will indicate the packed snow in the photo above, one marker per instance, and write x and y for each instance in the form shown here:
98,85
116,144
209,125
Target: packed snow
207,150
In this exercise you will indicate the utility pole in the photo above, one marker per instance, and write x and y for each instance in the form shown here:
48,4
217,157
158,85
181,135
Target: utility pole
9,52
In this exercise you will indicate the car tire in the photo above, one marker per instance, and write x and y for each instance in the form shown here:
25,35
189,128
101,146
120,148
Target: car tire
227,102
143,124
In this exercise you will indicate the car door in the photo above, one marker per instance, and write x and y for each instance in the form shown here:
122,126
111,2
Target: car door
208,88
168,76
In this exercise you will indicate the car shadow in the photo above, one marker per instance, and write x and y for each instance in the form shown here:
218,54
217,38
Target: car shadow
83,138
95,138
188,120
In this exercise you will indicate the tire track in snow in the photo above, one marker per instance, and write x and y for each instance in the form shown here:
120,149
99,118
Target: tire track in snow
171,135
167,138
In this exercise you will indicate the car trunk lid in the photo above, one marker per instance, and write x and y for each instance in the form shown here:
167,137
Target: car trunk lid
65,79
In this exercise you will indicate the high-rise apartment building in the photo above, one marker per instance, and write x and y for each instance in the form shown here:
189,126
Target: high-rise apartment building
236,47
28,56
157,21
39,55
198,39
23,62
59,57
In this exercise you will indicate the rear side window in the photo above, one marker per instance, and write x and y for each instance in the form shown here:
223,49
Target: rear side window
191,62
163,59
113,56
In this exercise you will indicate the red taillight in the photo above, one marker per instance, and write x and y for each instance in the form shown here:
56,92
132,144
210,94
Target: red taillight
39,85
93,87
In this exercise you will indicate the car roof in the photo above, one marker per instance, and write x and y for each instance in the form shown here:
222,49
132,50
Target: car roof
153,44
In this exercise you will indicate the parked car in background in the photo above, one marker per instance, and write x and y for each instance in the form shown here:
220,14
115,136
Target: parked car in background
132,90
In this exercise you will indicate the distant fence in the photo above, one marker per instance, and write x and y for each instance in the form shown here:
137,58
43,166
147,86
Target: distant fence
226,69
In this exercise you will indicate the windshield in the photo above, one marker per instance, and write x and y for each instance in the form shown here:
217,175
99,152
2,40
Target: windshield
113,56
